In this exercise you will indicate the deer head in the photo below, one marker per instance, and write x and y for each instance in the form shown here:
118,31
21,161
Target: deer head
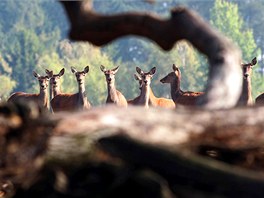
247,68
146,76
109,74
54,78
80,74
43,80
172,76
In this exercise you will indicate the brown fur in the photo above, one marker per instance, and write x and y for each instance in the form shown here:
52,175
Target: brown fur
153,100
113,95
186,98
260,100
246,97
161,102
41,99
72,102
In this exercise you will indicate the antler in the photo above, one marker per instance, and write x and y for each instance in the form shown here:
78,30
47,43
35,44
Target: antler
224,57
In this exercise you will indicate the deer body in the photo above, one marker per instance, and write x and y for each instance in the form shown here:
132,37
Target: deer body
72,102
41,99
113,95
145,78
160,102
55,84
246,97
186,98
153,100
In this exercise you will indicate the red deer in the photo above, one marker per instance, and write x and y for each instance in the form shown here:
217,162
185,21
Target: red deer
145,80
186,98
246,97
55,84
73,102
41,99
153,100
134,101
113,95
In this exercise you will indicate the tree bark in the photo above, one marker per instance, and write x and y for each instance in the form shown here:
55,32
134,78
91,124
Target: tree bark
193,151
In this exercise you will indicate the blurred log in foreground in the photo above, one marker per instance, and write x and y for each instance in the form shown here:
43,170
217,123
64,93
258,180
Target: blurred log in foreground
224,58
114,152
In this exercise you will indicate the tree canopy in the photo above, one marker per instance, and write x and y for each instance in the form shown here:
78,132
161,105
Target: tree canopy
35,37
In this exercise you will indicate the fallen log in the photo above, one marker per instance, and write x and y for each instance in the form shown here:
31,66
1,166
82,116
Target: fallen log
128,146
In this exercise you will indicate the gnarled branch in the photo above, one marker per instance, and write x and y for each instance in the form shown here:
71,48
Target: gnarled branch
224,57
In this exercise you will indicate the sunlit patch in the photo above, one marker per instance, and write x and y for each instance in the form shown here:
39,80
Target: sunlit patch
109,120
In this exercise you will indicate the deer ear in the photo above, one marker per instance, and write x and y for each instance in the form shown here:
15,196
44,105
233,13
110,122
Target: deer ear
61,72
86,69
139,71
254,61
153,71
73,70
137,77
102,68
49,72
115,69
36,74
174,67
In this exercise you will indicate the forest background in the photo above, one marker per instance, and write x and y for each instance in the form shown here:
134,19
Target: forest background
34,33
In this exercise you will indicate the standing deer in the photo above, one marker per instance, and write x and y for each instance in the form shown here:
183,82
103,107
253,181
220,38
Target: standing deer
113,95
41,99
246,97
153,100
73,102
145,78
55,84
187,98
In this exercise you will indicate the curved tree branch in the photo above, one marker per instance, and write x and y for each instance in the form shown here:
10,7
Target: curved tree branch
223,56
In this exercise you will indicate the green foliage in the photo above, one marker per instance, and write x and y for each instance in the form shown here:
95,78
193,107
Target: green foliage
6,86
79,55
226,18
24,49
33,38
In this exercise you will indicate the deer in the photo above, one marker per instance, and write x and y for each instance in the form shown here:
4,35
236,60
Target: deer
113,95
153,100
185,98
72,102
145,80
246,97
55,84
41,99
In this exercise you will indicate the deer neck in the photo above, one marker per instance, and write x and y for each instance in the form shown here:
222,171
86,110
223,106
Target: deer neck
112,93
82,96
152,97
51,93
43,97
175,89
144,96
54,91
246,97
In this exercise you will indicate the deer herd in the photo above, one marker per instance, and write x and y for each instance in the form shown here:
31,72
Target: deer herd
57,101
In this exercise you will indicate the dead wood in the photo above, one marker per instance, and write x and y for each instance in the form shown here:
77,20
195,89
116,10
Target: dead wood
210,153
